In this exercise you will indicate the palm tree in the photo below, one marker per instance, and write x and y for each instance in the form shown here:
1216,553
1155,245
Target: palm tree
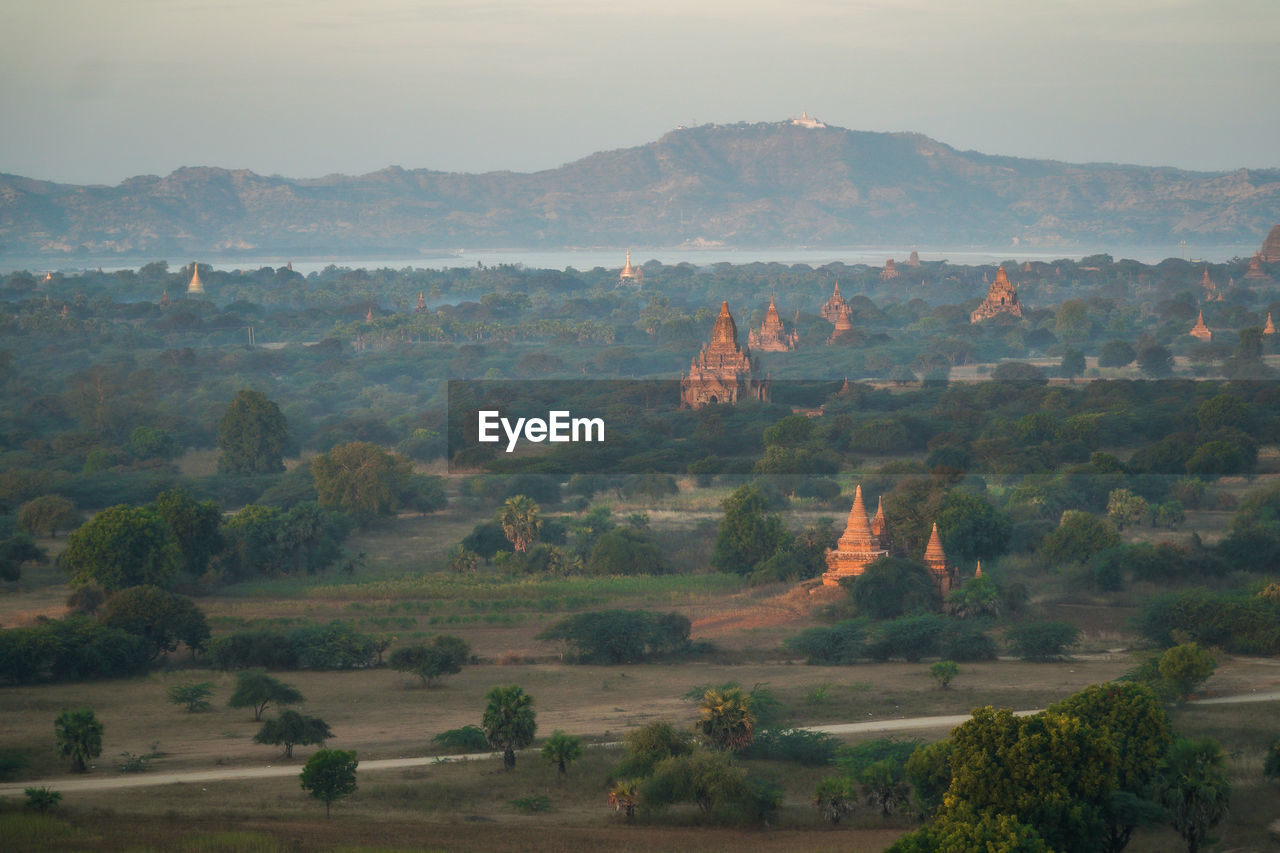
509,721
562,750
726,719
1194,788
520,521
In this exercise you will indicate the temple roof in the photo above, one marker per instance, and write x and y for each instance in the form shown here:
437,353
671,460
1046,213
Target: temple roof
1271,246
725,330
934,557
857,532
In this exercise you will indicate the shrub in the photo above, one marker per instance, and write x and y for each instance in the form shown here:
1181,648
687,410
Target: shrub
621,636
944,672
910,638
41,799
842,643
194,696
532,804
466,739
1185,668
966,643
1235,622
1042,641
812,749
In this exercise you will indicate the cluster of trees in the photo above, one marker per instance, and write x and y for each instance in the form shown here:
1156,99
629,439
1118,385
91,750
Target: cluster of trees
622,636
333,646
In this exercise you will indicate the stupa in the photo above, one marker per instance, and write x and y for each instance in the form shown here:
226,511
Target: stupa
890,270
1002,298
630,276
772,337
1200,330
913,260
935,560
1270,327
1255,271
195,285
844,326
857,547
723,372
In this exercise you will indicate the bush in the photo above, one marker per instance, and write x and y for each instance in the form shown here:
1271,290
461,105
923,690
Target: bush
910,638
966,643
41,799
842,643
532,804
1235,622
621,636
70,649
319,647
1042,641
1185,668
465,739
812,749
194,696
944,672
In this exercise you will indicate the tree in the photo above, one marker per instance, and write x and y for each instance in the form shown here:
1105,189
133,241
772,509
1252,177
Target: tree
1042,641
330,774
883,785
626,552
463,561
121,547
252,435
196,529
1116,354
48,514
703,777
1185,668
974,599
1194,788
520,522
650,744
835,797
1155,361
748,534
15,551
562,750
1073,363
726,720
891,587
443,654
1020,372
194,696
1124,507
509,721
362,479
42,799
162,618
971,528
1079,536
944,672
291,729
255,689
79,737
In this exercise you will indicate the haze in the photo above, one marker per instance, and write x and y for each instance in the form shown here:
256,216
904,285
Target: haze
94,92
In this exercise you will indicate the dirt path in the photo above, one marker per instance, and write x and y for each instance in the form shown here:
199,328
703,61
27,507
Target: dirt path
142,780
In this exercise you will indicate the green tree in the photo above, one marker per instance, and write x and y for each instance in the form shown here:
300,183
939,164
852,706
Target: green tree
626,552
891,587
963,830
79,737
252,435
443,654
976,598
1194,788
971,528
121,547
1116,354
1073,363
255,689
330,775
463,561
726,719
944,672
884,786
748,534
194,696
162,618
521,520
650,744
1155,361
509,721
361,479
1042,640
48,514
196,529
1186,667
292,729
836,796
1079,536
703,777
42,799
15,551
1124,507
562,750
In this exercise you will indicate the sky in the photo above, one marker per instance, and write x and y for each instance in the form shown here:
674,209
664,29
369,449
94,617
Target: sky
95,91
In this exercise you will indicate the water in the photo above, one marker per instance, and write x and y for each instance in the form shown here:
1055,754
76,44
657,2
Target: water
586,259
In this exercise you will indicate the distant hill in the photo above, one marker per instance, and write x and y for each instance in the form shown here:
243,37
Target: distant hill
740,185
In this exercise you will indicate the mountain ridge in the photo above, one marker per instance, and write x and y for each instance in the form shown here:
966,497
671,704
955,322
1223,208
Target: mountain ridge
763,184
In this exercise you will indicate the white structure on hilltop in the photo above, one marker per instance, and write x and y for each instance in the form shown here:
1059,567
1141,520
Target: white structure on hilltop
806,120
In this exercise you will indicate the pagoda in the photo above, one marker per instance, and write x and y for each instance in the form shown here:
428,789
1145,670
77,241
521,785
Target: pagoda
422,304
878,527
195,286
1270,327
1211,293
630,276
935,560
857,547
831,308
1200,330
1002,298
722,372
890,270
913,260
772,337
844,327
1255,271
1271,247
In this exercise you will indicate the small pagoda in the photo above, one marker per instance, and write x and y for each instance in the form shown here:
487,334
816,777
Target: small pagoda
195,286
844,327
831,308
772,337
630,276
1200,330
890,270
940,570
857,547
1002,298
1270,327
722,372
1255,271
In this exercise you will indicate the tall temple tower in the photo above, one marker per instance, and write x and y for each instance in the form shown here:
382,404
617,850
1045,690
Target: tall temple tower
630,276
1200,330
772,337
857,547
832,307
195,286
935,560
1002,298
722,372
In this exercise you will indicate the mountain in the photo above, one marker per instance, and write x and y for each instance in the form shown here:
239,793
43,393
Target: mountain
771,184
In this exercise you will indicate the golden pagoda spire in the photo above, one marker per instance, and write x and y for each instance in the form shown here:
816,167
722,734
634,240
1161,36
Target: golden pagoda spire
934,557
857,532
1270,328
195,285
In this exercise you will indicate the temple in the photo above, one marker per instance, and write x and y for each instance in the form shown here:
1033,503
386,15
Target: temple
1271,247
1200,330
913,260
630,276
890,270
195,285
1270,327
808,121
857,547
1002,298
1211,292
831,308
935,560
1255,271
843,328
772,337
723,372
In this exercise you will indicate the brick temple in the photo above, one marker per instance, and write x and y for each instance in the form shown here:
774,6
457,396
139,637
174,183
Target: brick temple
1002,298
723,372
772,336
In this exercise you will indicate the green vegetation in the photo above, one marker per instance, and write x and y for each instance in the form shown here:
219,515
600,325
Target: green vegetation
444,654
329,775
292,729
79,736
255,689
509,721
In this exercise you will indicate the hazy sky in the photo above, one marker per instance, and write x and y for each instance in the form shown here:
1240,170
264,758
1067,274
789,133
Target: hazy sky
98,90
